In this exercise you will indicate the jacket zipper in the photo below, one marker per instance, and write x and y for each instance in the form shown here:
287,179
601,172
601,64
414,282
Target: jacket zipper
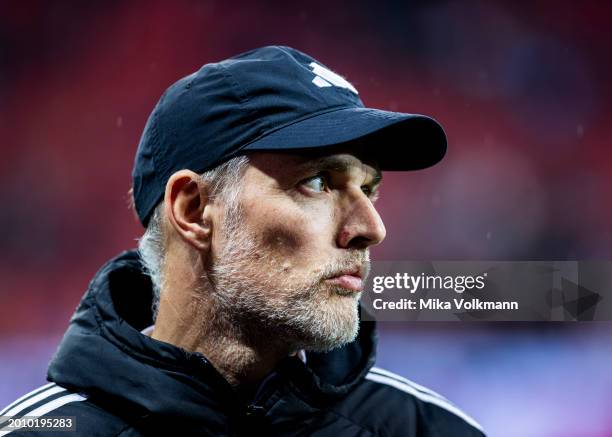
255,409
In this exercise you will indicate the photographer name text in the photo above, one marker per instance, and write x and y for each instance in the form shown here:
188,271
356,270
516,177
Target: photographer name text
439,304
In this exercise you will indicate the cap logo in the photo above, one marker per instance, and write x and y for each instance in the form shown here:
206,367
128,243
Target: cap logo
325,78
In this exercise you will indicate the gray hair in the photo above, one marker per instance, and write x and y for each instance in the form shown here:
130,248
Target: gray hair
224,181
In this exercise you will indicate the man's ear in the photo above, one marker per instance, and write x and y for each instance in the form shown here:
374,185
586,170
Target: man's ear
187,207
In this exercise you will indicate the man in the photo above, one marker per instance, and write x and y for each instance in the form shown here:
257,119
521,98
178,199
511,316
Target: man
256,179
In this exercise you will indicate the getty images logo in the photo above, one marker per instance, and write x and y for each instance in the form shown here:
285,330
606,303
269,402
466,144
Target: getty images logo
325,78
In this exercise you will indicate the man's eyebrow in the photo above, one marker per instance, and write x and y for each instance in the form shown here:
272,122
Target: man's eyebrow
339,164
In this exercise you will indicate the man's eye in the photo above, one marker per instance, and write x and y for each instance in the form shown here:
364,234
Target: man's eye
316,183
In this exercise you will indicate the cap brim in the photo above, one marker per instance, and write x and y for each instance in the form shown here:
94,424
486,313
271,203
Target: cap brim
398,141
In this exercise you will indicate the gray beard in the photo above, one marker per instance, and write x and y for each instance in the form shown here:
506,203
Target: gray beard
259,301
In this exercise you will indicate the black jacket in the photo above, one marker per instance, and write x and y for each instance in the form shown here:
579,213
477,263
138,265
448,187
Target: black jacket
116,381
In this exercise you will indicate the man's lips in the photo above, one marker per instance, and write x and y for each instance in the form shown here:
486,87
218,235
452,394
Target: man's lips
349,280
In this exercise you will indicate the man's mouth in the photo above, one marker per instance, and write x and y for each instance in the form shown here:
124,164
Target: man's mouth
350,279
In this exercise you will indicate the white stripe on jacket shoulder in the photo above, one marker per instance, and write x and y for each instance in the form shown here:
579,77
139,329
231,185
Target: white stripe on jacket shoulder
27,395
37,403
383,376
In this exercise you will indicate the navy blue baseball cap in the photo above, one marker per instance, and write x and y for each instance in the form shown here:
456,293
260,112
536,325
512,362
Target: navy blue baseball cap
270,98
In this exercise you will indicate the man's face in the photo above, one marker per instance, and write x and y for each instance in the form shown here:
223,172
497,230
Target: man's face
293,254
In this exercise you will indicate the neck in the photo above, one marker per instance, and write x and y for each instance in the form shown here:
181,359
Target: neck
189,318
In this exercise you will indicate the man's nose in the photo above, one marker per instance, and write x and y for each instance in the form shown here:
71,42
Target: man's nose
362,226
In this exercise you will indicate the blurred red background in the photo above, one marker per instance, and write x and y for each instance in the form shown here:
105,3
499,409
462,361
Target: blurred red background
523,91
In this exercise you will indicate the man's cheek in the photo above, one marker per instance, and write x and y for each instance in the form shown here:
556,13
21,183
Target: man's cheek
282,239
291,231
